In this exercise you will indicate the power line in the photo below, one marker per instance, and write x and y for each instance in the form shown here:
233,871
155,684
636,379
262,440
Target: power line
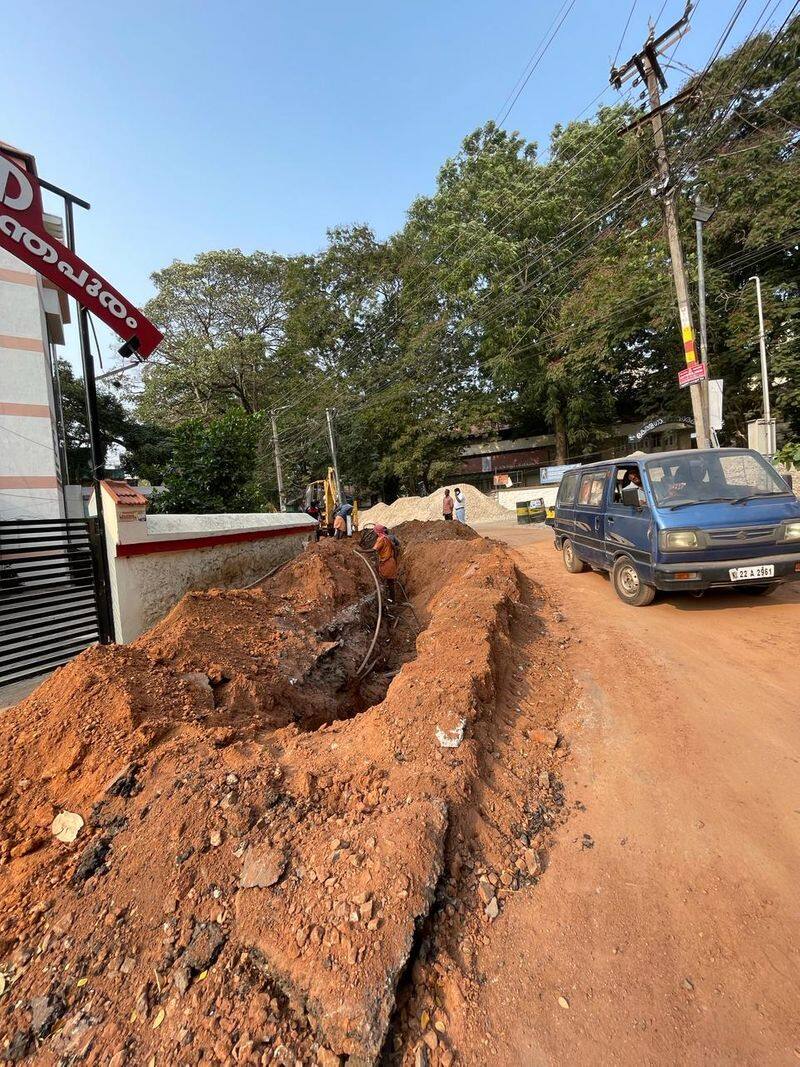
622,38
534,62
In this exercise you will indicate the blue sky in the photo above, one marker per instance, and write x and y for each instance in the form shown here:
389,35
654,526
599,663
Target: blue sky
192,126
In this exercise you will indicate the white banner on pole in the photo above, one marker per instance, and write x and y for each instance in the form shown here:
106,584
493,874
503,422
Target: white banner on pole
715,403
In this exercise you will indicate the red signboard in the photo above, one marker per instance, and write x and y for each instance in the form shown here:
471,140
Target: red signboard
695,372
22,233
504,461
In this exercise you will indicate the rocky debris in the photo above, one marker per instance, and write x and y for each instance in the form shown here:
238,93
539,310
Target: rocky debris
352,998
452,737
486,889
548,738
182,979
205,945
92,861
326,1058
299,866
19,1046
45,1013
124,784
201,684
262,867
66,826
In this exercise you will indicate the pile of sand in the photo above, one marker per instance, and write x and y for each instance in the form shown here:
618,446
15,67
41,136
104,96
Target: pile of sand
480,508
268,842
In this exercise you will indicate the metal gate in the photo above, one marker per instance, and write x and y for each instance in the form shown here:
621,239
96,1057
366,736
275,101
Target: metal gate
51,594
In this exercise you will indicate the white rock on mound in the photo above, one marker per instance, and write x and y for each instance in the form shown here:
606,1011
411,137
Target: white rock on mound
480,508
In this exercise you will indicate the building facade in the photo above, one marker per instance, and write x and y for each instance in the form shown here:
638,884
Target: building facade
32,317
512,463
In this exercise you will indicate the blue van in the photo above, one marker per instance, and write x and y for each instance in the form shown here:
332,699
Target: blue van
691,520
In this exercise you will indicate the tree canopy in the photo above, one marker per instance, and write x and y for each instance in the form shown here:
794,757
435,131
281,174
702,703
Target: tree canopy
530,290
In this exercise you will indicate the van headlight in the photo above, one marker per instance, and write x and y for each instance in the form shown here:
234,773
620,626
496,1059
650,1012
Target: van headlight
791,531
678,540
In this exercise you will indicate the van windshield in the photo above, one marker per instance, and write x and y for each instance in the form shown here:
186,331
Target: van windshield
711,477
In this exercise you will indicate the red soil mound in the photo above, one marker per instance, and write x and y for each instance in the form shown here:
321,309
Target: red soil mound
264,854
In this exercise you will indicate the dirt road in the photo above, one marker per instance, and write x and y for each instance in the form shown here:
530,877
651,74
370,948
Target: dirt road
668,920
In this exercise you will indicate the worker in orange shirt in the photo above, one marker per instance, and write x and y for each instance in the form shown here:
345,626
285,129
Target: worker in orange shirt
387,559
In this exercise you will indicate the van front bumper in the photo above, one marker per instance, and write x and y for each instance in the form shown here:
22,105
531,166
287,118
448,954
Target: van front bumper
717,573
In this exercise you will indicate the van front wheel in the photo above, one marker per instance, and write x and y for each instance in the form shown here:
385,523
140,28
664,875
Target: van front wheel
571,561
629,587
759,590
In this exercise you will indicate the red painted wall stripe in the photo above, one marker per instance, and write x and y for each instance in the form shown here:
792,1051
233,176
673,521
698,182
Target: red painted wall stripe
37,411
182,544
23,482
19,277
25,344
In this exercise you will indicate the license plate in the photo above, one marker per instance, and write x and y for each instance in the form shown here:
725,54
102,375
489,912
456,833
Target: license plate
741,574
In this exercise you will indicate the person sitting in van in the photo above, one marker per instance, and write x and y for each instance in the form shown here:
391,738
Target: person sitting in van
632,477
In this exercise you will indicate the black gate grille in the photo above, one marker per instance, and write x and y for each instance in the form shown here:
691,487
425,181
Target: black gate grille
49,602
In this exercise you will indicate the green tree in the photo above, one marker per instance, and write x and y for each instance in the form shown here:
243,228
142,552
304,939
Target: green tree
145,447
223,317
213,467
528,291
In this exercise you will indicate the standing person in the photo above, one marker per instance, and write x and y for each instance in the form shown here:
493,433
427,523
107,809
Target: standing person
387,559
314,512
339,526
461,507
447,506
346,511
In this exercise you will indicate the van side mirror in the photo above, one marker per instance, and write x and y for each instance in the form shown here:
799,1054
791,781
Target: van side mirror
630,496
788,479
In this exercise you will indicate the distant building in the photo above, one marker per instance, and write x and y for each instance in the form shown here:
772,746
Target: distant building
32,317
505,463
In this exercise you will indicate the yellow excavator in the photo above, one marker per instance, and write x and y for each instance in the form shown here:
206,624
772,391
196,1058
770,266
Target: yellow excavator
323,495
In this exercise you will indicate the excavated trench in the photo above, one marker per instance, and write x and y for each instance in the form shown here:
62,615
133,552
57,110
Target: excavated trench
272,845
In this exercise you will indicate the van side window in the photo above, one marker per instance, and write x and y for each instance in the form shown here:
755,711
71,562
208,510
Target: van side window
627,475
591,491
566,491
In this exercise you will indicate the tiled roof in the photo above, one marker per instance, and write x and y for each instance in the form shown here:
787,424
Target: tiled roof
122,493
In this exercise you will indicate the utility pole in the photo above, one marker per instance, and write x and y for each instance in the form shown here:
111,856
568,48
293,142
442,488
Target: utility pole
769,429
278,469
647,65
332,439
106,622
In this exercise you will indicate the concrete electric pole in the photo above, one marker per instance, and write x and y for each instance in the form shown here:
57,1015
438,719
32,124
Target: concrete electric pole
332,439
278,468
649,70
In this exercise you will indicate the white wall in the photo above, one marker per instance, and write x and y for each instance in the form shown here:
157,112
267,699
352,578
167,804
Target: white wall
147,587
177,525
508,498
147,584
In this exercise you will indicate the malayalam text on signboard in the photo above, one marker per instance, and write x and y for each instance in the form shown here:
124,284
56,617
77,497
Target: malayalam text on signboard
23,234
